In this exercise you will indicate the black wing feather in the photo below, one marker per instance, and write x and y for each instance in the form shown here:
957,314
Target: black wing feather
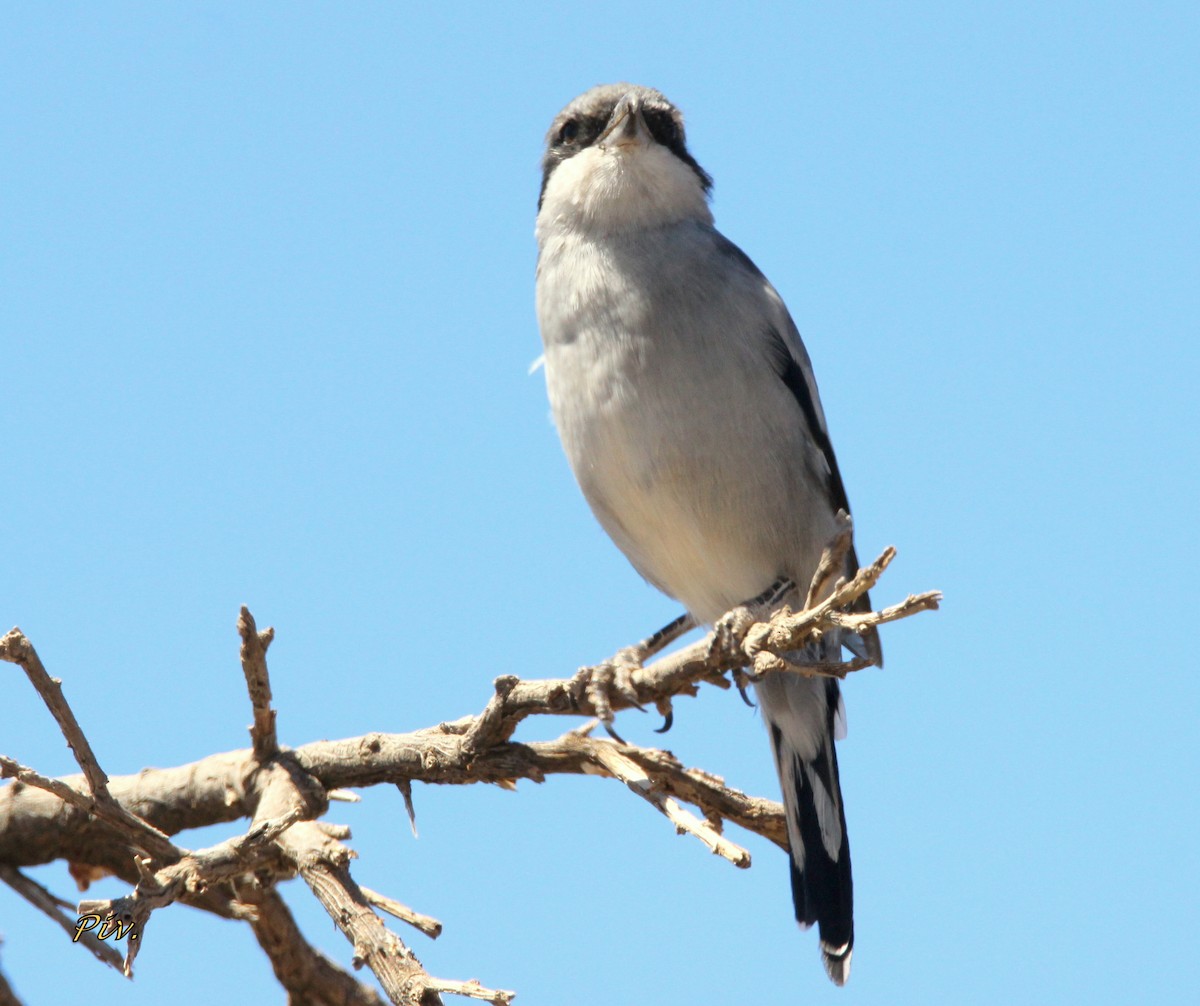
792,374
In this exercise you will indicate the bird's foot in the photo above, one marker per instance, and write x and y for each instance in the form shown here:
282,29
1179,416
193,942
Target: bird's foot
610,682
730,629
597,685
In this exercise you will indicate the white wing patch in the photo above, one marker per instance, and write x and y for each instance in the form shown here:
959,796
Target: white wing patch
827,815
839,719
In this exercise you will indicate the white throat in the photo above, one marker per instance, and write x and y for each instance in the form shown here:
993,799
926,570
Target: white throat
609,189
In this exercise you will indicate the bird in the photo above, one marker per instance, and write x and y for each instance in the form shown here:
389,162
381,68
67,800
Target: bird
688,411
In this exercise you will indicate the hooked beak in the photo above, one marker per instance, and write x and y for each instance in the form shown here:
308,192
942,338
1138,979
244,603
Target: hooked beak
626,127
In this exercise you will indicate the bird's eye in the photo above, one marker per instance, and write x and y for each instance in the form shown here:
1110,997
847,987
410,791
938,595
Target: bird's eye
663,127
570,130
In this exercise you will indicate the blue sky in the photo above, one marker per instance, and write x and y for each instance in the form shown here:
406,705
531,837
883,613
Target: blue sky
266,316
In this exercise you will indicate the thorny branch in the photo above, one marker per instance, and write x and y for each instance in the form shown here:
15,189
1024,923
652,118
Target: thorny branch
122,825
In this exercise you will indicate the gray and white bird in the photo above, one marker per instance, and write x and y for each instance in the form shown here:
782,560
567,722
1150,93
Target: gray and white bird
688,410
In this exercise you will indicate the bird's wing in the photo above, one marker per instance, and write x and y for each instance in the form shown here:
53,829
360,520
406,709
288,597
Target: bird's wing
794,368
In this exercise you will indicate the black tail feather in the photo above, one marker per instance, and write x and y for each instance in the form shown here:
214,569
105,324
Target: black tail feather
822,884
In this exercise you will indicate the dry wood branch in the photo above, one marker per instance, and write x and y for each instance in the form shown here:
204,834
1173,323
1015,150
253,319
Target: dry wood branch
37,827
254,852
425,923
707,660
258,683
7,996
787,631
490,727
15,648
767,663
93,821
711,796
322,864
833,559
471,990
216,791
47,903
614,761
309,977
10,769
911,605
131,828
286,794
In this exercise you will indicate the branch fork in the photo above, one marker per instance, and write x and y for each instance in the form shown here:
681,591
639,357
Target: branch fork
94,822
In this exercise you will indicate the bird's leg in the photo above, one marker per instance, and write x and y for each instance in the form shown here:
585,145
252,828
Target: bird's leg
730,629
656,643
615,675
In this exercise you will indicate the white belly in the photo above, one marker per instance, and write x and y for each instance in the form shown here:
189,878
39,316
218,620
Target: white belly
708,493
691,450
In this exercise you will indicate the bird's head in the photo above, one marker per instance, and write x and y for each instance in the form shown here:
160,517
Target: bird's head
617,158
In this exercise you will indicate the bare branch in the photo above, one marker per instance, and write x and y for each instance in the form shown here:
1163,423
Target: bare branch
322,864
15,648
489,727
425,923
711,796
227,860
833,559
708,659
47,903
284,792
787,631
133,829
286,795
11,769
929,601
471,989
767,663
614,761
308,976
7,996
36,827
254,666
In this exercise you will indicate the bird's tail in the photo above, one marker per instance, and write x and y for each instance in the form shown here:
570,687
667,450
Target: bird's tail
804,715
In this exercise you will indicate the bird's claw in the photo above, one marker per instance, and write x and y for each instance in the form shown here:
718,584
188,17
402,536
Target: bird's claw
743,679
729,630
668,715
598,685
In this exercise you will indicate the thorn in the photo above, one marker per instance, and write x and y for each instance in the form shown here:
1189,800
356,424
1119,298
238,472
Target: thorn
405,788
